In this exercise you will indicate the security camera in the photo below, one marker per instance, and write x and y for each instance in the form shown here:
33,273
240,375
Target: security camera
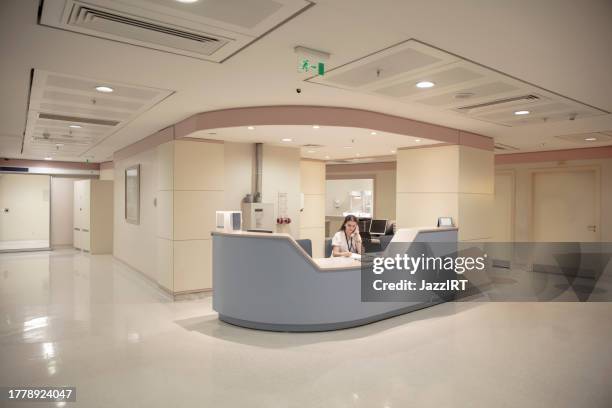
298,90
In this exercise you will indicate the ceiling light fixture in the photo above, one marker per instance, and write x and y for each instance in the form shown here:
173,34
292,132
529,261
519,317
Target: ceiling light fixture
104,89
521,112
373,133
393,151
417,140
251,127
425,84
75,126
358,154
348,147
287,140
315,126
590,139
187,1
48,158
327,157
311,151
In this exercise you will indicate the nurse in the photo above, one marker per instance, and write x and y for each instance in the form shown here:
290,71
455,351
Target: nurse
347,240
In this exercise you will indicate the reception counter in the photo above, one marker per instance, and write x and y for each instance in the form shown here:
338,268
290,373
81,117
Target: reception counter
268,282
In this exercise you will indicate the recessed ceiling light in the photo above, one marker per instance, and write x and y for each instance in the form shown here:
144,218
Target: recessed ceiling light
590,139
287,140
311,151
373,133
425,84
48,158
315,126
104,89
348,147
75,126
417,140
393,151
522,112
187,1
251,127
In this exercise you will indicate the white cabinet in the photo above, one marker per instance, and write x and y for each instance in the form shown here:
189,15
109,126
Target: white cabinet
93,216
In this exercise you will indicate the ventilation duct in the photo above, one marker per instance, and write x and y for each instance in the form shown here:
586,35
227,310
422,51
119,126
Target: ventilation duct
76,119
504,147
140,29
500,103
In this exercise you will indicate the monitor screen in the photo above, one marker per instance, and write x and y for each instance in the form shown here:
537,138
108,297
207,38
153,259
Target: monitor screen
364,225
378,227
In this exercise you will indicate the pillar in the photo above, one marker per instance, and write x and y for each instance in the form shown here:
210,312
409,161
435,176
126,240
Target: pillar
448,180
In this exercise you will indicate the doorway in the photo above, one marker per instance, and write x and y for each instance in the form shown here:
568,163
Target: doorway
565,205
24,212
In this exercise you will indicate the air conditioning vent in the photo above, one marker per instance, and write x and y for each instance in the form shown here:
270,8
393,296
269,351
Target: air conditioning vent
76,119
211,30
500,103
312,146
504,147
140,29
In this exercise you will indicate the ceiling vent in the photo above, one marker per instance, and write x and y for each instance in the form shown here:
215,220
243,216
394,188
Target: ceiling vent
312,146
505,148
501,103
144,30
76,119
212,30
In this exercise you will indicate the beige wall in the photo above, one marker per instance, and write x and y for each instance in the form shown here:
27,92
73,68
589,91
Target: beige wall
281,174
522,175
312,218
27,199
181,187
62,217
107,174
239,163
137,245
455,181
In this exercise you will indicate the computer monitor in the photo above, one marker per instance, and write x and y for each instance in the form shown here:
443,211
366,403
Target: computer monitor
378,227
364,225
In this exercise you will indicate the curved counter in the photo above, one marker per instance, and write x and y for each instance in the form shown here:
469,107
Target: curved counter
267,281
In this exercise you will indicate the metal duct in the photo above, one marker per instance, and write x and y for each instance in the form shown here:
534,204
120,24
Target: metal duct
258,171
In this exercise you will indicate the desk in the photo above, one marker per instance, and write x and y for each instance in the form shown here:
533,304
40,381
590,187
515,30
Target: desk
267,282
338,262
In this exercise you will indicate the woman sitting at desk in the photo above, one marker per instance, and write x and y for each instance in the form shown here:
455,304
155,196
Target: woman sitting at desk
347,240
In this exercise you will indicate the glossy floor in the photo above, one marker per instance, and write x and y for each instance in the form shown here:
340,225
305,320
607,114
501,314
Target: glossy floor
88,321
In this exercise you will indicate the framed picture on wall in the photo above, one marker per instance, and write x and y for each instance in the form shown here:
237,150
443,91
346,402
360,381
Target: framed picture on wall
132,194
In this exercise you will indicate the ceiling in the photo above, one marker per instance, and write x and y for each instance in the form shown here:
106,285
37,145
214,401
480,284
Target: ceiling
67,116
561,46
323,143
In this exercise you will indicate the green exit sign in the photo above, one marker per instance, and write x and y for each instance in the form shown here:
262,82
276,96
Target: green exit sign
308,65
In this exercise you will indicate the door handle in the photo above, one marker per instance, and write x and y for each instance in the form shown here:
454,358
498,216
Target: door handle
592,228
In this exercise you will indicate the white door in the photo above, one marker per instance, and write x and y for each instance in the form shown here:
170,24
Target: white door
566,206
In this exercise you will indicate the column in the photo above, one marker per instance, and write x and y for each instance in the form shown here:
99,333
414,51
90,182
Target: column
448,180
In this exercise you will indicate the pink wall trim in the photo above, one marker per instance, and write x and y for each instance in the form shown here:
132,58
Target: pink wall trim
586,153
50,164
477,141
348,168
109,165
149,142
326,116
